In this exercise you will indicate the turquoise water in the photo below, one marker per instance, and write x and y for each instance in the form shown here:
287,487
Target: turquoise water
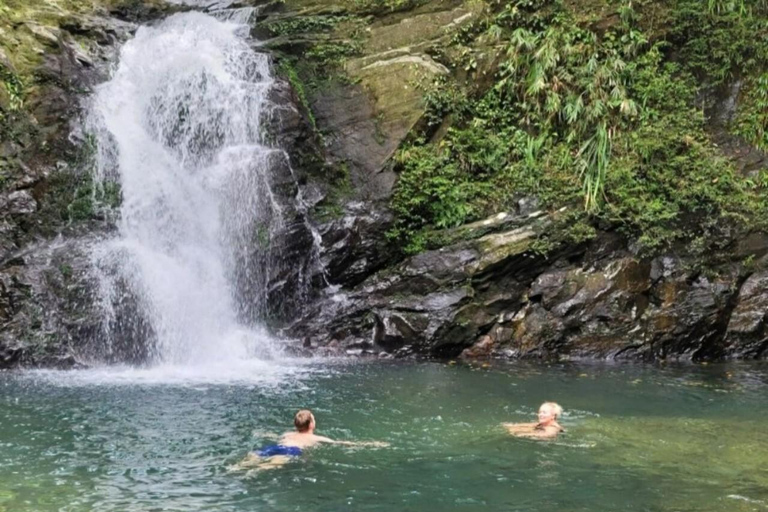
690,438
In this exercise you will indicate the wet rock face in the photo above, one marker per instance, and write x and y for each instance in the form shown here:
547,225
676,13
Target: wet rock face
432,303
353,138
747,333
353,247
363,114
492,297
366,116
46,306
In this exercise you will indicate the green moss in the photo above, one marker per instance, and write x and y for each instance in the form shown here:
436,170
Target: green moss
320,67
330,54
287,69
72,195
262,236
339,180
12,95
66,270
300,25
384,6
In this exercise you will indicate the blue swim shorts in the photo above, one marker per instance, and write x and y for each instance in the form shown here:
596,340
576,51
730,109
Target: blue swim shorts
279,449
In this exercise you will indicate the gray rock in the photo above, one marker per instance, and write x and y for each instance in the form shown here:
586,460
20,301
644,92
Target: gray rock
747,332
19,202
482,348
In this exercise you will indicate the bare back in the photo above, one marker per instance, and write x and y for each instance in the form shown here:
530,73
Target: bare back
302,439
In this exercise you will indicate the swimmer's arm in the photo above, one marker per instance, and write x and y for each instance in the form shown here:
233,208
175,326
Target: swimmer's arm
352,443
377,444
537,435
546,433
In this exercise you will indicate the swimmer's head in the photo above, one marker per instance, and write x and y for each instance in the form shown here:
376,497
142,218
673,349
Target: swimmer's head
304,421
549,412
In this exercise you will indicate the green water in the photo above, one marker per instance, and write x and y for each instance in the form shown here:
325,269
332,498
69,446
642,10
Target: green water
691,438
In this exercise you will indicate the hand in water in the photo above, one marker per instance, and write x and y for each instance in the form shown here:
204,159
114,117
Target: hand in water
375,444
372,444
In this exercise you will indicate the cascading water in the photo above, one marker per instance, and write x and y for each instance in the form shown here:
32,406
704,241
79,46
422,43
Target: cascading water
179,127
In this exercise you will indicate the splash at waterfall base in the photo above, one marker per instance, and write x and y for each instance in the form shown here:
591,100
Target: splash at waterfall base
207,203
71,297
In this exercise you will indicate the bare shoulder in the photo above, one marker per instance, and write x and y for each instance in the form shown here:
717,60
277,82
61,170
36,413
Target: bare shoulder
288,437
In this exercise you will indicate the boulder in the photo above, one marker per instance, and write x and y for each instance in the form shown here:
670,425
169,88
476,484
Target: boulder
747,333
482,348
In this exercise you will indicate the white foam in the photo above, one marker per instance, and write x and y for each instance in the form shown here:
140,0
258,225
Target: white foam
748,500
249,372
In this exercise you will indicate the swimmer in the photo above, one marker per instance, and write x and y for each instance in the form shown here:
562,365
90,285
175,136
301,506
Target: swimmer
293,444
546,428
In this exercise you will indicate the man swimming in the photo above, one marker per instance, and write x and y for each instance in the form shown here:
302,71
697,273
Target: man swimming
293,444
546,428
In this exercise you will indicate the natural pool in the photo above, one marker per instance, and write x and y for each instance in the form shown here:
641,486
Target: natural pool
640,438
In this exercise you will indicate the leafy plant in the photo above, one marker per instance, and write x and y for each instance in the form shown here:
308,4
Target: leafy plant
14,89
575,113
752,117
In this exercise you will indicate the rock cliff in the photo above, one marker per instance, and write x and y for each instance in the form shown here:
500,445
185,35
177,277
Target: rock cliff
498,266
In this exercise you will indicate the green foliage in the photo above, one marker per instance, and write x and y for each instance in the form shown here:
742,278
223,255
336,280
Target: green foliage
752,117
66,270
576,113
382,6
570,82
727,39
328,54
444,98
432,190
14,90
741,7
11,102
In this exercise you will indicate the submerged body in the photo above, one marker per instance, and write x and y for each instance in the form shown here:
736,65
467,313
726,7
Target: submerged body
546,428
293,444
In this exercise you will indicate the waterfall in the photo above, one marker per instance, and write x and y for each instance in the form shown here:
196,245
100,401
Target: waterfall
179,128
